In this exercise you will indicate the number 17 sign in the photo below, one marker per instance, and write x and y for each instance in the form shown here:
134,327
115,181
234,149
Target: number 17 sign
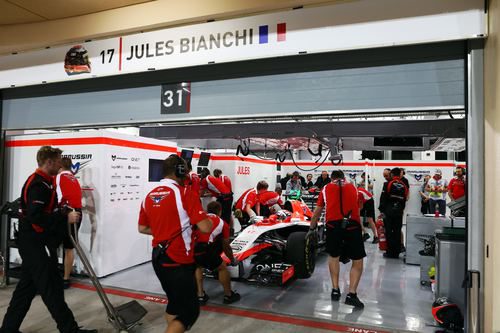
175,98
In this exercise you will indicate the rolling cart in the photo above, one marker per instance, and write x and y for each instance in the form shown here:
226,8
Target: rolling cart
123,317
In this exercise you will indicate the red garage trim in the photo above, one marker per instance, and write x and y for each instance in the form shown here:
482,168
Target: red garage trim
155,147
89,141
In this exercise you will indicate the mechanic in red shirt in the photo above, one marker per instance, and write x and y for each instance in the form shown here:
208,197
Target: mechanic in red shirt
168,213
367,205
207,254
192,181
225,179
270,202
343,233
456,187
248,206
220,191
40,229
69,193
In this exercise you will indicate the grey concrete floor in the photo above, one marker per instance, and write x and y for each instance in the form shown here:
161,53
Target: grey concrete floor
89,313
391,291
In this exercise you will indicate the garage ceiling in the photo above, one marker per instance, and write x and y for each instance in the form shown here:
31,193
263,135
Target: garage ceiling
355,135
29,11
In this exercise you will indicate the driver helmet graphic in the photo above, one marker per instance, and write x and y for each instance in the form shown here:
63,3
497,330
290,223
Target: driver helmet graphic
77,61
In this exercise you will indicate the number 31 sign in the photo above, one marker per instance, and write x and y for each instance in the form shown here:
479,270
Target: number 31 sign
175,98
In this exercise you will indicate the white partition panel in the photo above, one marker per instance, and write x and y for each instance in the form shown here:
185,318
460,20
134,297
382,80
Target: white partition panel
113,172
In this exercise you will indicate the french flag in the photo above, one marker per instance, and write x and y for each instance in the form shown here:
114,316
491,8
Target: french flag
264,33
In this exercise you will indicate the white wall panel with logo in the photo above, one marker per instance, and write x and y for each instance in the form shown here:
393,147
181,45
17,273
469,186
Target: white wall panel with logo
113,173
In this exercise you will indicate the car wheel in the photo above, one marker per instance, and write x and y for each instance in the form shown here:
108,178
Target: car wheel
301,252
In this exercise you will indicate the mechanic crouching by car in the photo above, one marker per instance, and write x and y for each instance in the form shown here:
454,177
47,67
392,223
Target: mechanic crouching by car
270,203
42,228
169,213
207,254
248,206
343,233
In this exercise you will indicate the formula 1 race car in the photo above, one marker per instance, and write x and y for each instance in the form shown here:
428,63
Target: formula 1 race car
273,250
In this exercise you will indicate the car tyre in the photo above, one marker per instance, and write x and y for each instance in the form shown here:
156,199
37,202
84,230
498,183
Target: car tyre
301,252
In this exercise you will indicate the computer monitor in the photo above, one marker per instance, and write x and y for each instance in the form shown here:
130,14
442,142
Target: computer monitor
204,159
187,155
155,170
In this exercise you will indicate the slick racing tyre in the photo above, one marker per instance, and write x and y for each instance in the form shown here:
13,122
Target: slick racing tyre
301,252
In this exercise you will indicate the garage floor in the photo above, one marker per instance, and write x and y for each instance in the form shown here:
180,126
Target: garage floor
390,290
88,313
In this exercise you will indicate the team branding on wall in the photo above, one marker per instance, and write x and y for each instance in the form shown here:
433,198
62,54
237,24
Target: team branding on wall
80,165
243,170
308,30
418,175
352,174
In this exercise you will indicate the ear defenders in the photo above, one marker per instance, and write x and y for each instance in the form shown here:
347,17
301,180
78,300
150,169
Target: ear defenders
180,170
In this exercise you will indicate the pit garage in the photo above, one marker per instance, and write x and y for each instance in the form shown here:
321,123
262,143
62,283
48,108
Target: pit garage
360,111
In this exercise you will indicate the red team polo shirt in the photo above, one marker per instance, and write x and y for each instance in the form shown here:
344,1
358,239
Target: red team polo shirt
167,210
193,182
69,191
364,195
457,187
329,197
270,198
214,185
248,197
218,228
225,179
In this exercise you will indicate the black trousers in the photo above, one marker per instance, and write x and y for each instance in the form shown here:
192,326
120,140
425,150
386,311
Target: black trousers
227,204
39,273
393,224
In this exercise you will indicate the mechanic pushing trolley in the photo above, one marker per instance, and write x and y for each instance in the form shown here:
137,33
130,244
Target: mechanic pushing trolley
42,229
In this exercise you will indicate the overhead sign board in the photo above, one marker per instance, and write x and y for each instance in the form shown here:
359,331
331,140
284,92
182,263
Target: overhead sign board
340,26
175,98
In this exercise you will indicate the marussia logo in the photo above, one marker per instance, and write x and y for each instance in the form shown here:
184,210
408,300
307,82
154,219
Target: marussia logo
114,157
79,166
352,175
157,199
418,177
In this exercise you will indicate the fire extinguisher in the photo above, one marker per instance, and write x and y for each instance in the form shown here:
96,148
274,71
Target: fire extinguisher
382,241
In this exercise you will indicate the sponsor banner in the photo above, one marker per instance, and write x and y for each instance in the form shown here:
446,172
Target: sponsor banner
310,30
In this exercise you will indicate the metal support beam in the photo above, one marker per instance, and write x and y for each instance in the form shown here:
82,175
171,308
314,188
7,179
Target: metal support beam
475,185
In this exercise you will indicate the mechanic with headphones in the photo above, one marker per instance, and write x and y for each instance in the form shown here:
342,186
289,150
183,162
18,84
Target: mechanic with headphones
170,213
340,200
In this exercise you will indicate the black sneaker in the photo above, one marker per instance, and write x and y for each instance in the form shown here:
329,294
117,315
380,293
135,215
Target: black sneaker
366,236
203,299
375,240
352,299
335,294
66,284
234,297
81,330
